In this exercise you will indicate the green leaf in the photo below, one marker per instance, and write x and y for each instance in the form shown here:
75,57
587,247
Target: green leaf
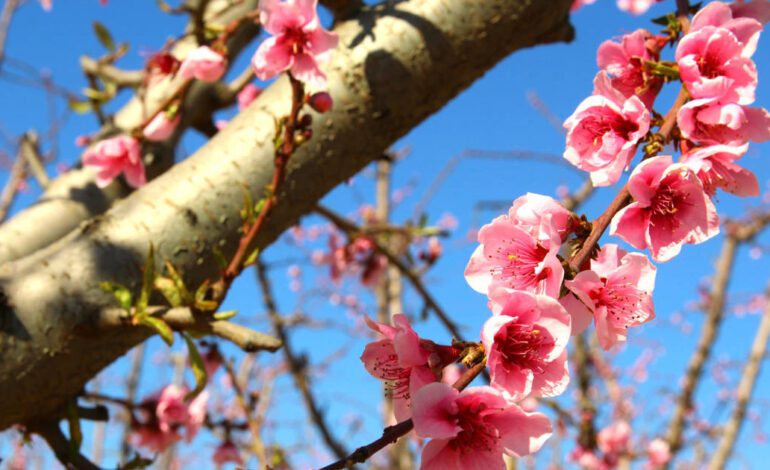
76,434
187,298
148,281
199,370
121,294
80,107
160,326
663,20
226,315
169,290
260,206
201,303
96,95
252,258
104,36
247,213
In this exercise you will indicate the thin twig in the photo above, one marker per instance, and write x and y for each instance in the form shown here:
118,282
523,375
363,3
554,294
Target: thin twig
352,229
254,425
132,385
713,321
297,366
581,360
5,23
745,389
62,447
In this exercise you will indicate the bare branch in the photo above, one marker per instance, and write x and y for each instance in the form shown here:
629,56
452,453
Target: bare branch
61,446
745,389
297,366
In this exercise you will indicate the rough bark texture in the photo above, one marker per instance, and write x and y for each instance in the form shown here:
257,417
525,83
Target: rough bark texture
395,66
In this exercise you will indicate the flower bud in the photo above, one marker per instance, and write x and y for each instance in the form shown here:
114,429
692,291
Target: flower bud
321,102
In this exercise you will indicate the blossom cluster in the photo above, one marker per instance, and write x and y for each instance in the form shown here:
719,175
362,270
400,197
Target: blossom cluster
532,265
299,44
163,415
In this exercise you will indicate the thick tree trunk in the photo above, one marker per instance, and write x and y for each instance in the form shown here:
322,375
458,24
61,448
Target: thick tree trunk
395,66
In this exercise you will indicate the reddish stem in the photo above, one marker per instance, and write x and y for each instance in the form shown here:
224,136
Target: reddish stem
281,159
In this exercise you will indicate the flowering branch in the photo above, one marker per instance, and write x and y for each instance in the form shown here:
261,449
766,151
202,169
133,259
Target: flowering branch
392,433
352,230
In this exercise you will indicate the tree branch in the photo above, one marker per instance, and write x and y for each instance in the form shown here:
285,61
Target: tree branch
745,389
184,319
391,434
352,230
61,446
296,366
383,79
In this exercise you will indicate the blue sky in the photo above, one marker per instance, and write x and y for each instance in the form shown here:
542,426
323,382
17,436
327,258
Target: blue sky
495,114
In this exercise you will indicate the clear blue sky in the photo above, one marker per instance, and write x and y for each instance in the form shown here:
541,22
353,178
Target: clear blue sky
495,114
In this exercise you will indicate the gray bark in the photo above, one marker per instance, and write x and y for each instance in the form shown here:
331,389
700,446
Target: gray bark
395,66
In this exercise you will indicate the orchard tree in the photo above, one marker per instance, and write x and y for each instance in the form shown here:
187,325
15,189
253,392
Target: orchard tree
134,240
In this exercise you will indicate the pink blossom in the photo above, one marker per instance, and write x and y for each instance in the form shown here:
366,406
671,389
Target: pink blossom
636,7
165,413
604,130
227,452
113,156
541,215
203,64
161,127
474,428
670,209
617,292
716,168
526,346
172,411
658,453
756,9
587,459
519,250
299,41
711,122
711,65
152,438
615,438
404,361
742,19
624,62
246,96
46,4
451,374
